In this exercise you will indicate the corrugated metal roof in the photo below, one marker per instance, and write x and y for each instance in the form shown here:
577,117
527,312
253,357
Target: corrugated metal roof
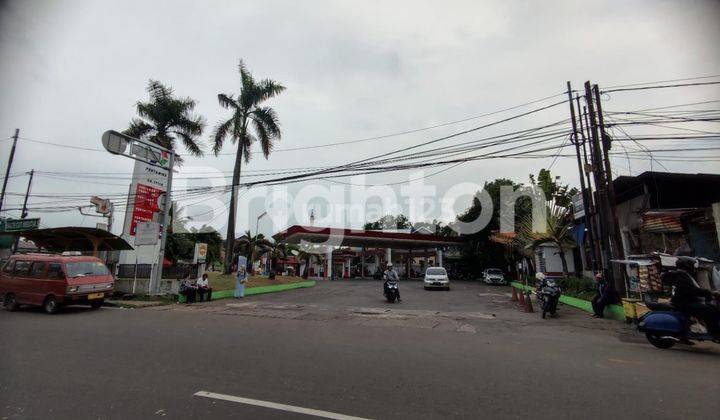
665,221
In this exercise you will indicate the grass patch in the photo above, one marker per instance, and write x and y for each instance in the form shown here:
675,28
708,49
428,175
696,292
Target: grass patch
219,281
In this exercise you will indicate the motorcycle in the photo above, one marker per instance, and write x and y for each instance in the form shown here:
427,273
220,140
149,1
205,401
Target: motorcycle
548,294
391,291
664,326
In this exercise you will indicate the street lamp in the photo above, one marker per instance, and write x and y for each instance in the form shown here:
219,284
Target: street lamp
257,232
257,223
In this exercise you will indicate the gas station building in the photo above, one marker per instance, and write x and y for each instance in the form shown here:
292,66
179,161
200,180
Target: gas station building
357,253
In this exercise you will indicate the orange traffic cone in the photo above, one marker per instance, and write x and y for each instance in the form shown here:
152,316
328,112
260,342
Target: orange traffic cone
521,298
528,303
514,297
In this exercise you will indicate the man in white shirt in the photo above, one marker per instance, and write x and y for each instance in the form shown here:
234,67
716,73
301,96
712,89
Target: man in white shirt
203,288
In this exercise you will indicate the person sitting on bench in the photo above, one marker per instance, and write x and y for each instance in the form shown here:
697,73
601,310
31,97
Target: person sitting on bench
204,290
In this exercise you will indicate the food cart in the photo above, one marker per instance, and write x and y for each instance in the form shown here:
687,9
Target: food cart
642,276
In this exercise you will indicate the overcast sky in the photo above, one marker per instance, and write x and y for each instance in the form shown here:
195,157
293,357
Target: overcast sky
72,69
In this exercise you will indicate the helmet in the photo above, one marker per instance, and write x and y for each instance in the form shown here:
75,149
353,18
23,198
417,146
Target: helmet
685,263
540,276
389,265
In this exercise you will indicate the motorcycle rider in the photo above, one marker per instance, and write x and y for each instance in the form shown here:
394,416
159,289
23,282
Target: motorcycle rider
540,277
689,298
391,275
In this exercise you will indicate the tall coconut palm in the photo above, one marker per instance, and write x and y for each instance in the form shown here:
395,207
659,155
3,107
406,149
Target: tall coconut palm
165,119
250,122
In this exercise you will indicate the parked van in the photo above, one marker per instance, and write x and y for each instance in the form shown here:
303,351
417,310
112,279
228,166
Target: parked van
52,281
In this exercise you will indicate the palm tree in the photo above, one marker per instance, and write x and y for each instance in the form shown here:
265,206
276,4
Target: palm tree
558,231
281,250
165,119
247,115
252,246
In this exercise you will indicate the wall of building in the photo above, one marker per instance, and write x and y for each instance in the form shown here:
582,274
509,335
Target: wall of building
548,260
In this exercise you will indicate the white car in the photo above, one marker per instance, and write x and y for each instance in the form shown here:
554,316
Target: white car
436,278
493,276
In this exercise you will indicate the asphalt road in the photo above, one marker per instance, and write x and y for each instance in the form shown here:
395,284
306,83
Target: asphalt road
339,347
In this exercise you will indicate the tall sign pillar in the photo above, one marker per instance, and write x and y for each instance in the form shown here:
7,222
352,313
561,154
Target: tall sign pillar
152,181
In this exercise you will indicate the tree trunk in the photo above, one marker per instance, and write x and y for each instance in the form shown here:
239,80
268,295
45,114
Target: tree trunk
561,253
307,267
230,237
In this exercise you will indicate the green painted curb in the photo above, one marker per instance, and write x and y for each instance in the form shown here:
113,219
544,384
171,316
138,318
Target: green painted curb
225,294
611,311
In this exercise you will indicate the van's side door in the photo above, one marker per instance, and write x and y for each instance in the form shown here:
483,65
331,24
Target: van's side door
41,287
22,282
56,278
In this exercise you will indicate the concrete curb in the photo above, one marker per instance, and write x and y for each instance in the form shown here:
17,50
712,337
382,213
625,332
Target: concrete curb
226,294
615,312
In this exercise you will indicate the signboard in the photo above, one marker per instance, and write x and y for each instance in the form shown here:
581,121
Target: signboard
101,206
578,206
146,205
15,225
147,233
149,185
101,226
200,253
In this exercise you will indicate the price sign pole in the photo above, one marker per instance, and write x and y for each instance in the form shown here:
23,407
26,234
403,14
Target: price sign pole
159,157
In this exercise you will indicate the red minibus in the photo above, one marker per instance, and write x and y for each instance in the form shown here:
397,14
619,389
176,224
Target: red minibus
51,281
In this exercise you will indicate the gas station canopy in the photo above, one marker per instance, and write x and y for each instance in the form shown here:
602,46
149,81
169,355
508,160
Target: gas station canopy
364,238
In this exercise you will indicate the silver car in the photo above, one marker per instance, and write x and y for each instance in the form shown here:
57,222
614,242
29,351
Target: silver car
436,278
493,276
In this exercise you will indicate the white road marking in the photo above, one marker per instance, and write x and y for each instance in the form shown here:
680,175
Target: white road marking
277,406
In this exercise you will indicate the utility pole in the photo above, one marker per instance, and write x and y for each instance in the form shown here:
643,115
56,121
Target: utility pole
583,190
606,144
24,207
591,217
600,185
27,194
10,162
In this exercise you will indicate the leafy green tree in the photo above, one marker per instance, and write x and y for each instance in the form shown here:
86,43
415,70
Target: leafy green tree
479,252
553,189
165,119
250,122
389,222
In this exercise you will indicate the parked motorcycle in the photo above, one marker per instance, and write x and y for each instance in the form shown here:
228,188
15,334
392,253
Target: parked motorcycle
664,326
548,294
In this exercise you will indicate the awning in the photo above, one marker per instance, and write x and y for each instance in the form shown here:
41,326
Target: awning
666,221
635,262
75,239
